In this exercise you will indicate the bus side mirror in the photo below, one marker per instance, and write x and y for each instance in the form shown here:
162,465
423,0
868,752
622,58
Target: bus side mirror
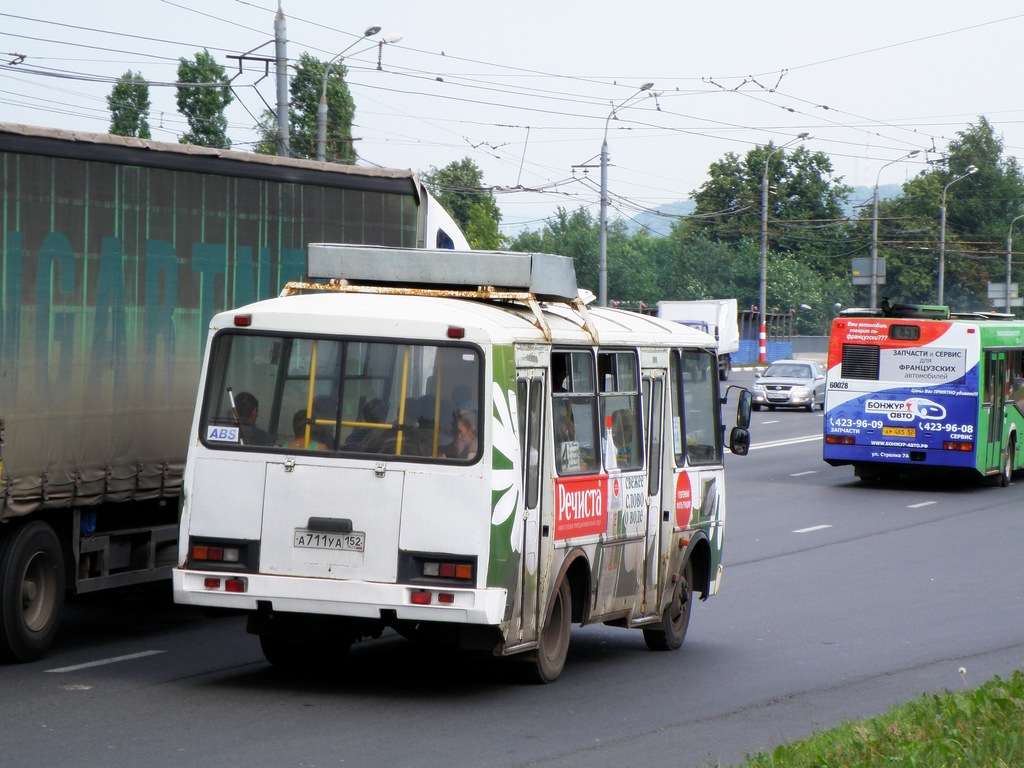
739,441
743,407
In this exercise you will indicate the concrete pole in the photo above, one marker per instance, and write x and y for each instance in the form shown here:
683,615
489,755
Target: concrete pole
281,50
602,254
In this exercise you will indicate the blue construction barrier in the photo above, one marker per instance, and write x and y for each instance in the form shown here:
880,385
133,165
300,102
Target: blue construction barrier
749,351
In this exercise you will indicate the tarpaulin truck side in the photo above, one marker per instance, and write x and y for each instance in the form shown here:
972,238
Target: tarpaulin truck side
115,255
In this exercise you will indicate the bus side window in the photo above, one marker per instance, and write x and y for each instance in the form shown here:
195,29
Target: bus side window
573,411
696,433
620,403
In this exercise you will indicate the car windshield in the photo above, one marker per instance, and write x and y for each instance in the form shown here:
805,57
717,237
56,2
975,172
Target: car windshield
788,371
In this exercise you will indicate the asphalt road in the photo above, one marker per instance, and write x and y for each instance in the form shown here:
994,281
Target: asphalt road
839,600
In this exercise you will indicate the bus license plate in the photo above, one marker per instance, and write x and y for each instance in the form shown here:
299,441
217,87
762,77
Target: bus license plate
899,431
346,542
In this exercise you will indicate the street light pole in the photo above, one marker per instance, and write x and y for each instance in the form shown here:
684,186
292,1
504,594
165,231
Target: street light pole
602,257
874,228
942,233
321,111
762,352
1009,255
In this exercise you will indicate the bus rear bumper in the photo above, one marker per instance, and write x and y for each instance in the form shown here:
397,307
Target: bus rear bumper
328,597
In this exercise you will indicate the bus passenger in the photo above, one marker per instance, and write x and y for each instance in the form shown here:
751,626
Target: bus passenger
299,427
247,409
466,443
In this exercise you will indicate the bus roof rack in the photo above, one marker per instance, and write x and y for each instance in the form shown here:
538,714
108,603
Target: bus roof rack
546,276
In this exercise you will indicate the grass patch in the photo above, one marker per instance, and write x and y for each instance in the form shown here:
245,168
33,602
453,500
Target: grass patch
979,727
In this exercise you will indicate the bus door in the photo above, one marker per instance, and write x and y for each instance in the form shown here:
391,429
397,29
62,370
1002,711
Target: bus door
994,402
530,397
653,392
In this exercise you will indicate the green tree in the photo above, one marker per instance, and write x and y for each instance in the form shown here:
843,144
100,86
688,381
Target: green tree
128,103
459,188
203,105
802,190
305,89
568,234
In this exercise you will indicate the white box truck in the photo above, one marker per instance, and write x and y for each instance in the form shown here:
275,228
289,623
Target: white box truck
717,317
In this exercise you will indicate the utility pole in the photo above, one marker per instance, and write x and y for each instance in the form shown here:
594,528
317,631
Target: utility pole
281,49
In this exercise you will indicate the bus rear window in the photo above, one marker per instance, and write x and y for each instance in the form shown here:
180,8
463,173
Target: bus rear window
352,396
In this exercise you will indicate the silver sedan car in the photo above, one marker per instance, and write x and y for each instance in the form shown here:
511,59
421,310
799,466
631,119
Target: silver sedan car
790,384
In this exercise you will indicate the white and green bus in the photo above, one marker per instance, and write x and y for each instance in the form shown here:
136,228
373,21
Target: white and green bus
454,447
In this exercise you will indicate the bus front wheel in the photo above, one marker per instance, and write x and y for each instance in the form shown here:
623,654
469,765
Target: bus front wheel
546,663
671,630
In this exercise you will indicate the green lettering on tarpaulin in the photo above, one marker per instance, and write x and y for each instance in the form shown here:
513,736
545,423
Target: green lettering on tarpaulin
10,316
109,342
54,330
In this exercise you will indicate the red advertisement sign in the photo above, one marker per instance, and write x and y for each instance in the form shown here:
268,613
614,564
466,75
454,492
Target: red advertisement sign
581,508
684,501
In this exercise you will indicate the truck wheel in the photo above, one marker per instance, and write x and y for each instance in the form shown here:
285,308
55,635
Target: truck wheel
671,631
32,585
546,663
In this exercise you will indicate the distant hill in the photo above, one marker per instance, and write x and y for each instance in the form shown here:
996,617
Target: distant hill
658,221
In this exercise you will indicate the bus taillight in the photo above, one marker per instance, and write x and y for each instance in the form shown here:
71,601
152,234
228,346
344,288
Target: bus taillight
839,439
950,445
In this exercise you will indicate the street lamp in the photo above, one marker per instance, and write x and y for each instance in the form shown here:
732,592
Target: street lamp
942,232
321,112
1009,252
762,355
602,258
874,228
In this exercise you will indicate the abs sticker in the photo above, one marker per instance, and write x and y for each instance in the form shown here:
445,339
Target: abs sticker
221,434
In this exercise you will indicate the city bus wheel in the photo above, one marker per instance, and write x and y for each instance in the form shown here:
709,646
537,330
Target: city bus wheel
1006,475
546,663
31,591
671,630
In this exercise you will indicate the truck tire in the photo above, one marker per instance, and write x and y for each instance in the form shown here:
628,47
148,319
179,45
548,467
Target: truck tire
32,585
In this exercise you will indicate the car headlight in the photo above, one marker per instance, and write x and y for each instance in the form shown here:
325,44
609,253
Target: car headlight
758,387
801,391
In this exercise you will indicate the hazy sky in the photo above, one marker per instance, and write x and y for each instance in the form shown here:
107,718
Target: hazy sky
526,89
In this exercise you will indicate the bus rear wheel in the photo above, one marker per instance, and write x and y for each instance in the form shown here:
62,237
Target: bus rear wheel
670,632
546,663
1006,474
31,591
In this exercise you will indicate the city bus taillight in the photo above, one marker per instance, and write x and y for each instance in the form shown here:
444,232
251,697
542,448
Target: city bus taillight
444,570
951,445
839,439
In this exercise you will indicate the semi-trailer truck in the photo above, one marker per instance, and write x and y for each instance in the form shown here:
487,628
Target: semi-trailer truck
116,252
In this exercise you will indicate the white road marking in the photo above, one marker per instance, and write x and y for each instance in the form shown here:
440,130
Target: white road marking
812,528
104,662
790,441
922,504
808,472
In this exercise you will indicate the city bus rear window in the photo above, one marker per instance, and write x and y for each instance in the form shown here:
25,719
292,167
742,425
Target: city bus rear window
351,396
